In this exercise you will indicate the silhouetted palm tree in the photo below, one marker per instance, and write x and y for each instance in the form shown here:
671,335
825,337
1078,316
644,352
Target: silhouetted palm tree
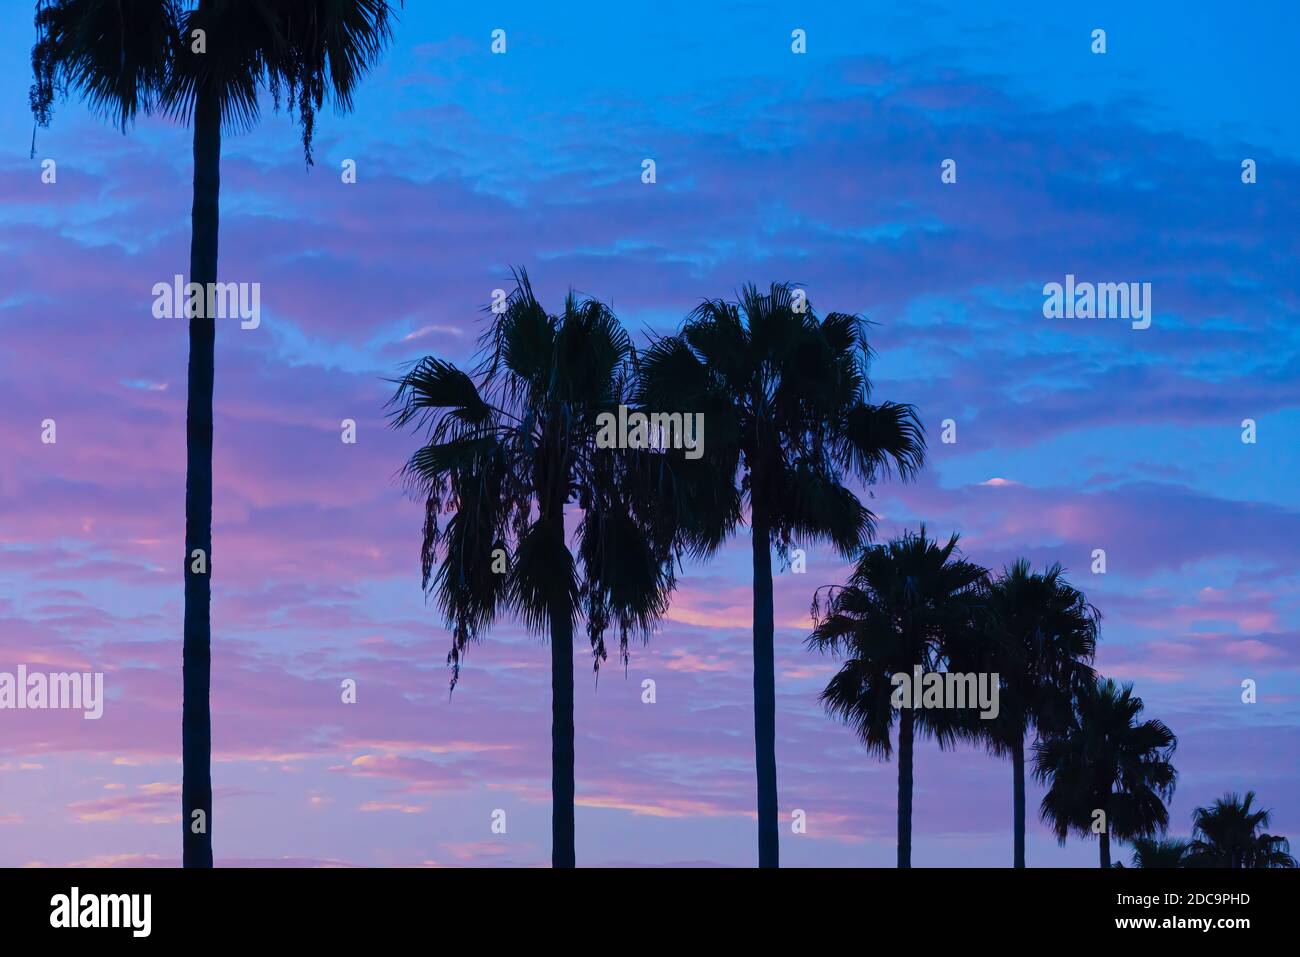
127,57
902,606
1106,760
785,399
1039,636
1230,833
506,455
1149,852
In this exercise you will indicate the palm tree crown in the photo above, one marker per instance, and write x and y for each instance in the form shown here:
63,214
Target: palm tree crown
1041,634
1152,852
1231,833
507,454
1106,768
127,57
786,397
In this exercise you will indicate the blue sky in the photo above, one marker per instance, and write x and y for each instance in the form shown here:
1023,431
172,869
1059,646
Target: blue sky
821,168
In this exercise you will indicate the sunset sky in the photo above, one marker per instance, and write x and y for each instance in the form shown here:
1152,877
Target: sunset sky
822,169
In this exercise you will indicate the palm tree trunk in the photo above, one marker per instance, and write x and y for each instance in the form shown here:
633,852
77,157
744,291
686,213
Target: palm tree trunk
1104,844
1018,798
562,788
905,787
196,716
765,693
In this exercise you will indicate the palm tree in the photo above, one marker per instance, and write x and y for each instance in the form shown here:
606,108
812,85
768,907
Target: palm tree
1106,761
903,606
127,57
1039,636
785,396
1230,833
1149,852
507,454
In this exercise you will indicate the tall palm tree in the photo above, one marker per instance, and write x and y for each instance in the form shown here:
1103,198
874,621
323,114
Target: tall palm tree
904,605
1105,759
1151,852
128,57
1230,833
509,448
1039,636
785,396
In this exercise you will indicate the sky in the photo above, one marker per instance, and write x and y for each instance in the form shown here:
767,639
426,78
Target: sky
821,168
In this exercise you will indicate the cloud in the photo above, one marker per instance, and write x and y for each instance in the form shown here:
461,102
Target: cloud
1072,436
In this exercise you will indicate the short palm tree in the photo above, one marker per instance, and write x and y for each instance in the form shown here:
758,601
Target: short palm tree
903,606
1039,637
509,449
131,57
785,397
1231,833
1151,852
1107,769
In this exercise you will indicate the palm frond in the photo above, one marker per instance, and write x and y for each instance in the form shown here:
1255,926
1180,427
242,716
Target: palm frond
117,55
